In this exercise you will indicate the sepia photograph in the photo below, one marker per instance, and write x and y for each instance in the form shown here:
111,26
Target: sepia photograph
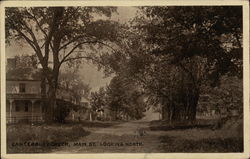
99,79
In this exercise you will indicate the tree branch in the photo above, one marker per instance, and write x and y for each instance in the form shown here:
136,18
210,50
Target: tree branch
38,24
40,27
31,43
35,42
106,45
81,57
190,74
70,42
73,49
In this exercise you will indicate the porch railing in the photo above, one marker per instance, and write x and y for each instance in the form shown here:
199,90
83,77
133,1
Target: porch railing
25,119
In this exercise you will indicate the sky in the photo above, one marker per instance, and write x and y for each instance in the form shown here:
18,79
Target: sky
88,72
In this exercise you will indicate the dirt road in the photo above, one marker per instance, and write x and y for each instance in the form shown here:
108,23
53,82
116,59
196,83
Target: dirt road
123,137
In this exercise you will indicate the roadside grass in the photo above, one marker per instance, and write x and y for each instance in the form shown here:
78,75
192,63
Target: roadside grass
206,145
94,124
47,137
163,125
200,136
160,137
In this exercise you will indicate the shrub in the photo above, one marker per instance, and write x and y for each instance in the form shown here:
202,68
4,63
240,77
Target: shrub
62,110
78,130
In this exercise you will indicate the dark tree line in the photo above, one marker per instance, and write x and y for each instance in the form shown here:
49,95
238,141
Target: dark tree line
201,43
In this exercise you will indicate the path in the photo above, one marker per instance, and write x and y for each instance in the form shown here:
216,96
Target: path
117,138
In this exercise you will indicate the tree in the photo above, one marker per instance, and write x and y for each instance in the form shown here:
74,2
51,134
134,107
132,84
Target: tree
199,42
121,97
70,80
228,95
172,51
98,99
59,35
125,98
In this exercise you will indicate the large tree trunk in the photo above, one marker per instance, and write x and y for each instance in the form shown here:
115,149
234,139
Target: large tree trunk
163,113
51,102
44,101
194,103
181,110
50,105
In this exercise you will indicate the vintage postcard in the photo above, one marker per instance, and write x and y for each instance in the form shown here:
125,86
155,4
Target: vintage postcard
125,79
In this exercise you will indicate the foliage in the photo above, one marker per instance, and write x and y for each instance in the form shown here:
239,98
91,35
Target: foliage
70,81
121,97
185,32
179,49
60,34
98,99
124,97
170,53
227,96
62,110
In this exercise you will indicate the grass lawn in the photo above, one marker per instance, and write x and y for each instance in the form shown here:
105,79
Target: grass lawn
25,138
199,137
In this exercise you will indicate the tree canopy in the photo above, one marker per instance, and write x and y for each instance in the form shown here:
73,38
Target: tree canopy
58,35
173,51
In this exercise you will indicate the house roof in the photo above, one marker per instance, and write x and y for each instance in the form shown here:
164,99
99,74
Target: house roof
23,74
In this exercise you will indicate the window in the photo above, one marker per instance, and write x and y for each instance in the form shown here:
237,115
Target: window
21,87
26,107
43,109
17,108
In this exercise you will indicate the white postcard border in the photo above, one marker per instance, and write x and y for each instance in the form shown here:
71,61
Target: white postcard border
246,75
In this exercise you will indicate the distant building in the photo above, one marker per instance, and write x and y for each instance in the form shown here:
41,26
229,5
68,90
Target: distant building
83,113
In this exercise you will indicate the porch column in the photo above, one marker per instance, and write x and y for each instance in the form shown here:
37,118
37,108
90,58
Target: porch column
90,116
41,111
32,107
11,103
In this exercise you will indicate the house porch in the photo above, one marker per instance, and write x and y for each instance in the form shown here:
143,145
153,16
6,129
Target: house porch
24,110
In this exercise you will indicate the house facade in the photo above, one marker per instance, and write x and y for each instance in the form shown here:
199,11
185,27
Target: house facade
23,92
24,100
